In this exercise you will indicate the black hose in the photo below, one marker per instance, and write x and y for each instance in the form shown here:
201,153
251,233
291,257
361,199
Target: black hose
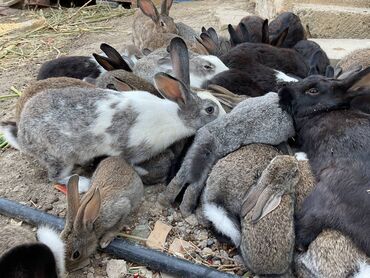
155,260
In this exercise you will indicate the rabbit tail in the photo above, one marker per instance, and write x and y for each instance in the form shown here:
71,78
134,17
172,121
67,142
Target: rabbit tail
223,222
10,130
363,270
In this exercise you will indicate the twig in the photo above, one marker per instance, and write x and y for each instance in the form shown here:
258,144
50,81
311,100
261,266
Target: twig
132,237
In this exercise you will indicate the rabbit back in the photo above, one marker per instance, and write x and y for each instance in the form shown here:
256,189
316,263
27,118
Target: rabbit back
354,59
330,255
42,85
70,66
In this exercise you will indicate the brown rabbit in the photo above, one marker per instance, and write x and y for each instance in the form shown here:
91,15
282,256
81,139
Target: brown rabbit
149,21
115,192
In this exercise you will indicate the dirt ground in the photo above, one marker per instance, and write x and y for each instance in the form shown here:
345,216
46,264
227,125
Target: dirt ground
23,180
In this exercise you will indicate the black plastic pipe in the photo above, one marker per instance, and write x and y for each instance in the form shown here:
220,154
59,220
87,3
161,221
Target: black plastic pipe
153,259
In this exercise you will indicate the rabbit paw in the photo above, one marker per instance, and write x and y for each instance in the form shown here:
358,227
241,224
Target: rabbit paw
83,184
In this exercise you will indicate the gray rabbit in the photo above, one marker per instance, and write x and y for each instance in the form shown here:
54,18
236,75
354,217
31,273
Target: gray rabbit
62,128
254,120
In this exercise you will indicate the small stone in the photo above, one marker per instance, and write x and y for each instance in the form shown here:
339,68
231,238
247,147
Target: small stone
202,244
142,231
34,200
192,220
207,251
48,207
210,242
91,269
55,199
224,254
116,268
216,262
170,218
90,275
203,235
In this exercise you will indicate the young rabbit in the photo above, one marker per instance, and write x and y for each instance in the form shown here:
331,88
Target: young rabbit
332,255
116,191
22,255
254,120
359,57
80,124
149,21
81,67
314,56
202,67
283,21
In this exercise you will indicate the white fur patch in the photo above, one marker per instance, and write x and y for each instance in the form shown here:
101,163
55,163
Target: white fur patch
363,270
282,77
83,183
208,95
158,124
301,156
9,137
218,216
196,81
50,238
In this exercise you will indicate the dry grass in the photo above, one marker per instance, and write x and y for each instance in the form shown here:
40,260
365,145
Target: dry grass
54,27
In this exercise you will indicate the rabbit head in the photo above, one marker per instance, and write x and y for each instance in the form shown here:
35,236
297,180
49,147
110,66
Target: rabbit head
78,234
162,22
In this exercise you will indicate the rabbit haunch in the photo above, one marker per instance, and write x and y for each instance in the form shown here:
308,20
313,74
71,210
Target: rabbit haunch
75,128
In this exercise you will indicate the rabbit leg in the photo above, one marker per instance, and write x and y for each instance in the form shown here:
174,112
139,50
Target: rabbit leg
191,200
119,219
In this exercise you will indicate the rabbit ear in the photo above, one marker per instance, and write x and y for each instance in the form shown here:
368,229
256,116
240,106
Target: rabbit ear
234,38
115,57
91,211
180,60
166,6
266,203
203,30
225,97
279,40
104,62
172,88
265,31
244,33
251,199
213,34
329,72
122,86
148,8
337,72
73,198
353,78
207,42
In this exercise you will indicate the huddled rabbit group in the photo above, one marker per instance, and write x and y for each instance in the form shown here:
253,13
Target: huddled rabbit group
263,138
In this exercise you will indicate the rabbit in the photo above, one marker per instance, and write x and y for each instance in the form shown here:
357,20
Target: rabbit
116,191
314,56
42,85
283,21
341,173
148,21
22,255
254,120
81,67
135,125
202,67
354,59
331,255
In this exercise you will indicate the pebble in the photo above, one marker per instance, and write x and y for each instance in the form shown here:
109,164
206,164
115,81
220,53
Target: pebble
192,220
238,260
90,275
202,244
116,268
203,235
216,262
34,199
210,242
48,207
207,251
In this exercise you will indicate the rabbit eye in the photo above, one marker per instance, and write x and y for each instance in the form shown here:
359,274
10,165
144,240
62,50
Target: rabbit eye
312,92
76,255
111,87
162,24
208,67
210,110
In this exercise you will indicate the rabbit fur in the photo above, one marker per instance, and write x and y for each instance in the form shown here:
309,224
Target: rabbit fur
116,191
202,67
354,59
46,250
254,120
126,119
